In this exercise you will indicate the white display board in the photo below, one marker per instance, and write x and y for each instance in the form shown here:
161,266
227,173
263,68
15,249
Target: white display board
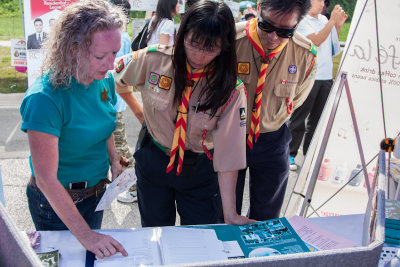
374,84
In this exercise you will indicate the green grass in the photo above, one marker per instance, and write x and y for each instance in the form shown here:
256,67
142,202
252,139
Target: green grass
11,28
12,81
344,31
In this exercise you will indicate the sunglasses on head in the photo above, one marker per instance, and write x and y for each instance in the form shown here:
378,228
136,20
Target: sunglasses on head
267,27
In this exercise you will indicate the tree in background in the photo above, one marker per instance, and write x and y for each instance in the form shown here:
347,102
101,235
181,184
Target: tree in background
347,5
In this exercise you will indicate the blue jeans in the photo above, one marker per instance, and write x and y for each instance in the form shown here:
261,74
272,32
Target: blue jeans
45,219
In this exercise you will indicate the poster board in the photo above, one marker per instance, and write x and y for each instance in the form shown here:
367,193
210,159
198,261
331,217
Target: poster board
18,52
44,12
374,100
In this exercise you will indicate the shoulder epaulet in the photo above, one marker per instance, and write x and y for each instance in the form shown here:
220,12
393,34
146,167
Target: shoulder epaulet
152,48
238,83
304,42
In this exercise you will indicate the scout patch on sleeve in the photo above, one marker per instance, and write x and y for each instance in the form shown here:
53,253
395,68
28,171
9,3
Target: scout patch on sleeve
242,112
123,62
243,68
120,65
165,82
154,78
314,49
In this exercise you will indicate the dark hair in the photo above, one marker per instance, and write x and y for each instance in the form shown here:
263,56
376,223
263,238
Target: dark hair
124,4
249,15
189,3
208,21
327,3
164,10
287,6
38,19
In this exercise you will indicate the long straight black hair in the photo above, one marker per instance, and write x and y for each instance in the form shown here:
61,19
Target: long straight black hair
164,10
208,22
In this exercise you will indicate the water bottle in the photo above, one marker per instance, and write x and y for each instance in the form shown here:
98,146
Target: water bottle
325,170
356,175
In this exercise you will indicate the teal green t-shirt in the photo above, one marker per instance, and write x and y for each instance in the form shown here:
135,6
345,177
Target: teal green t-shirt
83,117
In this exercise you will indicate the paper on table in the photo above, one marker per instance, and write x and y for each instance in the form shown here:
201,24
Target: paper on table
122,183
188,245
233,250
319,238
141,245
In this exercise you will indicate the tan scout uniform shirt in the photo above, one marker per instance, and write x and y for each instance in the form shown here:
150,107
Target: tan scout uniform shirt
286,77
151,71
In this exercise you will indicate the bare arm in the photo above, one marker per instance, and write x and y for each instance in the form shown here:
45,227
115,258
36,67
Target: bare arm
134,105
319,37
164,39
227,187
116,168
44,153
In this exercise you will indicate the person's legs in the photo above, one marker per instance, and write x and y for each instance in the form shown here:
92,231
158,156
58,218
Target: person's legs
323,89
43,215
156,197
122,147
269,172
297,122
87,208
197,196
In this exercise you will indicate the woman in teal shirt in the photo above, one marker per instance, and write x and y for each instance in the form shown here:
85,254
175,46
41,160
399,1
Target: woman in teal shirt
69,116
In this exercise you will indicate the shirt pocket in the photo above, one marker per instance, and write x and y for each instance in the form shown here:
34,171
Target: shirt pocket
158,99
277,106
199,122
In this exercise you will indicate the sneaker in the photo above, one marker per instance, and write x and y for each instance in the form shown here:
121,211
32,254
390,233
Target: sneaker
127,197
293,166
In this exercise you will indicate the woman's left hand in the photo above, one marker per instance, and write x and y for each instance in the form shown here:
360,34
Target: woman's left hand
116,169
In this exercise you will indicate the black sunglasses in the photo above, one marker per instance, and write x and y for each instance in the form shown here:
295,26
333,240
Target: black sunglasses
267,27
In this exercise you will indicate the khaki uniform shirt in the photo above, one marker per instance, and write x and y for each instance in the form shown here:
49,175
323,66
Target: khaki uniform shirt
290,74
151,71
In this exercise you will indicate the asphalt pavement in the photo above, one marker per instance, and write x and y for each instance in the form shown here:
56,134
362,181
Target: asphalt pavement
14,167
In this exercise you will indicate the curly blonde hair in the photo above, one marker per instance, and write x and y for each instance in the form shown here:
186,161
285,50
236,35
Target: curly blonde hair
67,46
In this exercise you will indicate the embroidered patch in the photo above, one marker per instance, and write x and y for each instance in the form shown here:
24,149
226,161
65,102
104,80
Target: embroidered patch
292,69
314,49
120,66
127,59
238,82
242,123
154,78
287,82
242,112
104,96
243,68
165,82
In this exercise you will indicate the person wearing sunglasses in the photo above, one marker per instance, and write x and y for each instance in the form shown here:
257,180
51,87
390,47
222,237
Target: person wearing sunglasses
323,33
194,108
277,66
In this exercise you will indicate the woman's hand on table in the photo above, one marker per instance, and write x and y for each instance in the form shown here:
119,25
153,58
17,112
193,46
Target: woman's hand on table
102,245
